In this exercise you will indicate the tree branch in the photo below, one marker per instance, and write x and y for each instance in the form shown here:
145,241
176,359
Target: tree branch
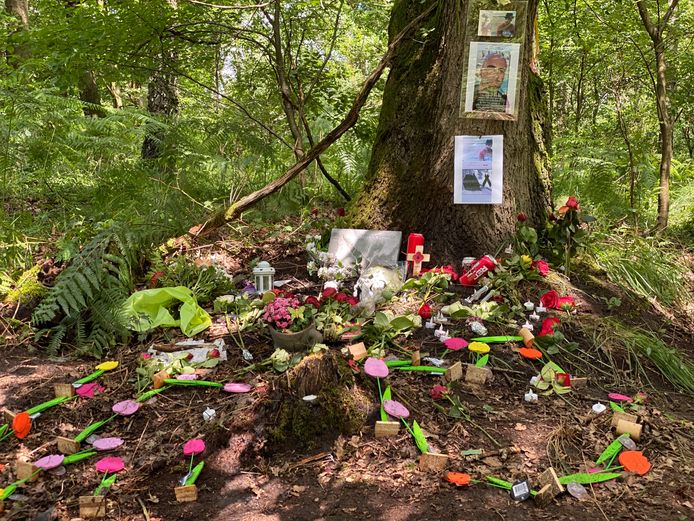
348,122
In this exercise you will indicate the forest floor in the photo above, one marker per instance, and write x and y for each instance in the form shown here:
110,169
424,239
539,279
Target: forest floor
248,476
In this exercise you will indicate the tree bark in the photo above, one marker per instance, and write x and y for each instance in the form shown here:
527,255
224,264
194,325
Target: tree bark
162,99
409,183
20,10
655,32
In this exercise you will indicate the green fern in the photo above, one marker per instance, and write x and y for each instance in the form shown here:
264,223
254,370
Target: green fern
84,305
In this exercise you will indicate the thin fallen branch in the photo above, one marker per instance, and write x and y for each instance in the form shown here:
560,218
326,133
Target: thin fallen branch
348,122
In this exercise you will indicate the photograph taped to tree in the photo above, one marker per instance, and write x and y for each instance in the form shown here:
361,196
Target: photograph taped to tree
478,170
491,85
497,23
492,21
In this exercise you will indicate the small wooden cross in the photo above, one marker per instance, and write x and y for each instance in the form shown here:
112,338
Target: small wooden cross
417,258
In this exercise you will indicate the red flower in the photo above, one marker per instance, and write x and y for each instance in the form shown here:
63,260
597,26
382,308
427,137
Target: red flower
312,301
445,269
341,212
214,353
550,299
154,278
145,356
352,301
314,212
424,311
521,217
438,391
328,293
572,203
548,326
499,299
566,303
341,297
541,266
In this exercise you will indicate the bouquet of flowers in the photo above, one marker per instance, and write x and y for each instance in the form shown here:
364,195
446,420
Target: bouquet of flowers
286,313
334,310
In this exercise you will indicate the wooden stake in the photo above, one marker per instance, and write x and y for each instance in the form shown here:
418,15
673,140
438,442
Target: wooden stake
9,416
358,351
416,358
92,506
631,428
25,470
622,416
385,429
67,445
528,337
186,493
454,372
158,379
430,462
63,390
550,487
478,375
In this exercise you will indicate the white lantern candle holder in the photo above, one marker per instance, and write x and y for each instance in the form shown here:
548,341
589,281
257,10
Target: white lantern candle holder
264,277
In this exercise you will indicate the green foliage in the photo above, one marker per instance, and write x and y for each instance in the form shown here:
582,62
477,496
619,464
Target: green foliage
206,282
644,266
85,302
24,289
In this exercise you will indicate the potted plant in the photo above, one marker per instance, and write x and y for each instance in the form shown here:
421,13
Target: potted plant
291,324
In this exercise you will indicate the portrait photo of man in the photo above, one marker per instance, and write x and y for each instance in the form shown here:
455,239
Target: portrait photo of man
492,78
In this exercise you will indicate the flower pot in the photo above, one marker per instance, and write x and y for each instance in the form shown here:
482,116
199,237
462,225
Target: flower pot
298,341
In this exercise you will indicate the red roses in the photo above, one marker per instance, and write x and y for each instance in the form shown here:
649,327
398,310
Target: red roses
552,300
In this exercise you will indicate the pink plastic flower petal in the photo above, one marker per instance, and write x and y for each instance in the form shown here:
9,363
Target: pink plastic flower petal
89,390
375,368
110,464
107,443
50,462
126,407
616,397
395,409
187,377
195,446
236,387
455,343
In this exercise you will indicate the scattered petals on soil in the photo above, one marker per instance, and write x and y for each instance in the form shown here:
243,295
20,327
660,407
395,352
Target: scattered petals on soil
107,366
236,387
375,368
21,425
530,353
458,478
395,409
89,390
107,443
192,447
617,397
454,344
126,407
110,464
50,462
635,461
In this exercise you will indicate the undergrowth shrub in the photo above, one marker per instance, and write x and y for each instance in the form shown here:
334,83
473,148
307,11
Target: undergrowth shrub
84,306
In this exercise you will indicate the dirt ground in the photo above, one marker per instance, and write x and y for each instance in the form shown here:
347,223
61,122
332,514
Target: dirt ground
249,477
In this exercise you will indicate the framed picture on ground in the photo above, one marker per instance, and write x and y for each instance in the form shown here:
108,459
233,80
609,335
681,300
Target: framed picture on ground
478,170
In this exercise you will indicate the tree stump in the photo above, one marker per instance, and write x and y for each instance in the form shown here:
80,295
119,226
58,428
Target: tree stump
339,407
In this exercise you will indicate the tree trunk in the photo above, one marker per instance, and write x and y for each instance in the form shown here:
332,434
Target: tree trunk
656,31
409,183
20,10
89,95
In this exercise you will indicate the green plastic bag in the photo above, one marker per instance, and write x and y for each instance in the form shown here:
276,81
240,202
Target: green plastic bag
147,309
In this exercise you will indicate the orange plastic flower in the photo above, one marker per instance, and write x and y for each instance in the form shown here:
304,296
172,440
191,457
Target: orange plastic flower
458,478
635,461
530,353
21,425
